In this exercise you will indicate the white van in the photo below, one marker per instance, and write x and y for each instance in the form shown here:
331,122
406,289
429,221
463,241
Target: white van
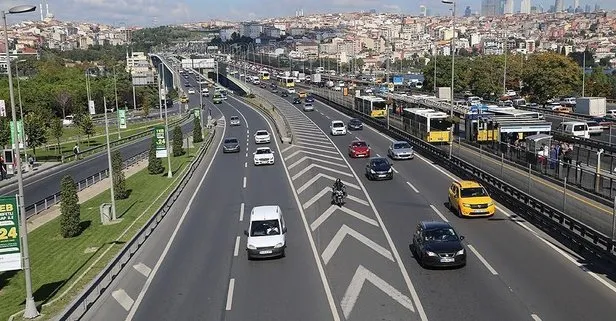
574,128
266,232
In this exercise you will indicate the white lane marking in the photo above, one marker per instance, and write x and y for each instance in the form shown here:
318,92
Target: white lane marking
321,175
244,181
413,187
395,170
377,155
327,117
535,317
333,209
246,154
328,291
241,212
357,138
145,288
304,144
334,244
439,213
247,131
286,149
484,261
245,164
123,299
316,159
335,152
297,152
236,249
311,166
230,294
143,269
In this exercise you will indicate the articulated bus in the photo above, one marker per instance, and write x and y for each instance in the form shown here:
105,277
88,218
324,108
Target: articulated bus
286,81
265,75
432,126
370,105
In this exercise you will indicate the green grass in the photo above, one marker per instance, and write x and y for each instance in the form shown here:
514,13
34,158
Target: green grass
57,262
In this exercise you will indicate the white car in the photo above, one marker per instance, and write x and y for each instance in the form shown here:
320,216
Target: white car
291,90
263,156
308,107
262,137
191,91
68,120
266,232
234,121
338,128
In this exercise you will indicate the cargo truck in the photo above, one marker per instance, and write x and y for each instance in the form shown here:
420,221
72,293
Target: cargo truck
444,93
316,79
591,106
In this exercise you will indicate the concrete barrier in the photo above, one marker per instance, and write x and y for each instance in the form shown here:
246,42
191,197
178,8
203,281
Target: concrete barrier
282,125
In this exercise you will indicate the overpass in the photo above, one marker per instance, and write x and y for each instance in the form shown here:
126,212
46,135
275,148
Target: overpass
171,75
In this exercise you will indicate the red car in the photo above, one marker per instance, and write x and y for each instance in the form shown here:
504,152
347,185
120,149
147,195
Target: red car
359,148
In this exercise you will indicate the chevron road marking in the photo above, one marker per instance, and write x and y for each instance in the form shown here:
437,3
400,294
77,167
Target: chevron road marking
286,149
143,269
303,144
123,299
335,152
321,175
310,153
334,244
333,209
311,166
313,139
304,126
315,159
307,133
352,293
327,190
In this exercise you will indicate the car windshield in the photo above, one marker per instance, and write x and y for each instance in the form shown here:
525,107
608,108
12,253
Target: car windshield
261,133
402,145
263,151
440,235
473,192
338,124
379,162
231,141
264,228
355,121
235,118
359,144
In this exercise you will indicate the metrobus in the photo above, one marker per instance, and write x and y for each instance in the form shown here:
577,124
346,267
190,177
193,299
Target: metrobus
265,75
430,125
371,105
286,81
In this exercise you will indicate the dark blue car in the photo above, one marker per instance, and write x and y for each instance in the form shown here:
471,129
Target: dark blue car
309,99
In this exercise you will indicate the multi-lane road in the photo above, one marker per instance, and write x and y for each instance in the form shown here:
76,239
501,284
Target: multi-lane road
349,263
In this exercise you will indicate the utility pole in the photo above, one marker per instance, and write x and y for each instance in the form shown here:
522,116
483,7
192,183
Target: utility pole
505,67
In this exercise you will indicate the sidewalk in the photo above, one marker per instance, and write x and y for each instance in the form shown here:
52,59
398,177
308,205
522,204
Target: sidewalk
40,219
38,169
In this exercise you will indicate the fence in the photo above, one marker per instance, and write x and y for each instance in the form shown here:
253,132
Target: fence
572,232
103,280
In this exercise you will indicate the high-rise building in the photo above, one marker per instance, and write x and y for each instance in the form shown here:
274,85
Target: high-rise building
490,7
559,6
468,12
423,11
576,4
525,6
508,7
597,7
587,8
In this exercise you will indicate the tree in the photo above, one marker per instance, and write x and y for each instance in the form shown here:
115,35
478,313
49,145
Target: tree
119,180
549,75
35,128
145,106
178,141
69,208
155,164
86,125
63,98
5,131
197,134
598,84
56,129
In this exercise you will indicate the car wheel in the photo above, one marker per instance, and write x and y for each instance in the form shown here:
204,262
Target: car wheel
250,257
283,254
460,212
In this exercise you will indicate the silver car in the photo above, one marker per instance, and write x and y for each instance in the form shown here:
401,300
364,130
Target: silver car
308,107
400,150
234,121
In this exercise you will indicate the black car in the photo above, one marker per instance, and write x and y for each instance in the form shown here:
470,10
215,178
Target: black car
355,124
297,101
231,145
263,85
437,244
274,90
309,99
379,168
284,94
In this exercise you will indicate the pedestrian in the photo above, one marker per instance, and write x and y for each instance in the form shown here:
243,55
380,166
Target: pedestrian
2,168
76,151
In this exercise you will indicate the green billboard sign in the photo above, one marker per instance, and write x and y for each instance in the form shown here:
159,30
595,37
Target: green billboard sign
122,118
161,141
20,133
10,242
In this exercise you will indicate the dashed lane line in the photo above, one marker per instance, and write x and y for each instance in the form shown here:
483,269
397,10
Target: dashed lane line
143,269
230,294
413,187
123,298
483,260
439,213
241,212
236,249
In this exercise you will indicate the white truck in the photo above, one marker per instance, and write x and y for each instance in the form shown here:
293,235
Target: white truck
301,76
316,79
444,93
591,106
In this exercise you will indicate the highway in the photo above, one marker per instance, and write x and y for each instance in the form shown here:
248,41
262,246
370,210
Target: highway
190,279
515,272
39,186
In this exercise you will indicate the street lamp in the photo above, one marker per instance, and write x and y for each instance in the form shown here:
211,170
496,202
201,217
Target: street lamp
21,111
453,55
30,311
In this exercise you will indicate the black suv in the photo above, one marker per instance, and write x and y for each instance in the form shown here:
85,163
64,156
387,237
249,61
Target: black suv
436,244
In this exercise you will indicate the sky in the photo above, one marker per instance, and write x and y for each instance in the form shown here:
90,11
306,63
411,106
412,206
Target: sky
160,12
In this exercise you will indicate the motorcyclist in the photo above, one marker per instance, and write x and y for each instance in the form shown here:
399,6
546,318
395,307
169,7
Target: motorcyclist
339,186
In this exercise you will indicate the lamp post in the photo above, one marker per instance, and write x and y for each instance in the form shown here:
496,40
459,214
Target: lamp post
160,96
21,111
30,311
169,171
505,67
109,162
453,55
115,88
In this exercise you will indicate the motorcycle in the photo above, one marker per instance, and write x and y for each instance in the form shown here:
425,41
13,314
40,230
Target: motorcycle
338,197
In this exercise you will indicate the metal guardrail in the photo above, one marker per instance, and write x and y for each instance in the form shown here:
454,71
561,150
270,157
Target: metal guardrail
54,199
67,157
578,235
79,306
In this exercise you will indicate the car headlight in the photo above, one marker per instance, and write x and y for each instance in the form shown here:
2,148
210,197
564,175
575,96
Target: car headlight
429,253
252,247
279,245
461,252
372,171
466,205
390,170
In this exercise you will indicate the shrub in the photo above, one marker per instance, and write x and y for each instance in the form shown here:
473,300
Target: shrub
119,180
197,134
178,141
69,208
155,165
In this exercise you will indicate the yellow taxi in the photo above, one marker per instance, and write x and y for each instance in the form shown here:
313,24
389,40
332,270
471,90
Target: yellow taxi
469,198
184,99
302,94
